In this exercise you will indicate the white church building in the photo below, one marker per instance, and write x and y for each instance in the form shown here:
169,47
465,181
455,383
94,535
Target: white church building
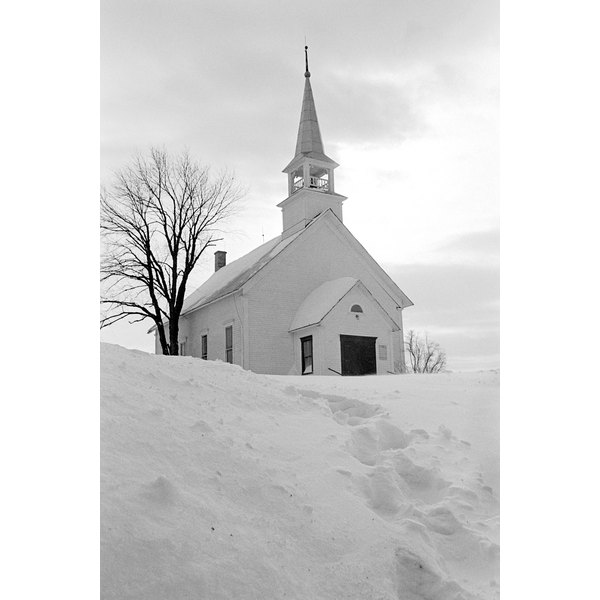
310,301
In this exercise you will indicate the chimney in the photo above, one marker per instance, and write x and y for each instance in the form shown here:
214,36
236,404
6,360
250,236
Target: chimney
220,259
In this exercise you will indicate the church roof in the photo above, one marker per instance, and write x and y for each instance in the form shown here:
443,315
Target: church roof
320,301
233,276
323,299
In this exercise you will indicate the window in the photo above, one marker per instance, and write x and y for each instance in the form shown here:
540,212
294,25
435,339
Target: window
356,308
229,344
182,348
307,355
319,178
382,352
297,180
204,348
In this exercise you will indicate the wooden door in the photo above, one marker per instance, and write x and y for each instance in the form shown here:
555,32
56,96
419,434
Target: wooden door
358,355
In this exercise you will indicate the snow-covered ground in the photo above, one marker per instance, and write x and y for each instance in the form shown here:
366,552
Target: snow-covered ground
218,483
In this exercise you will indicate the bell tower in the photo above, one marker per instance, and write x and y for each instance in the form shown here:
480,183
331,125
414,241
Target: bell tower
311,185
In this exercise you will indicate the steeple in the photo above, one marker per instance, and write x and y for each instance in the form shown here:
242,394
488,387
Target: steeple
309,142
310,173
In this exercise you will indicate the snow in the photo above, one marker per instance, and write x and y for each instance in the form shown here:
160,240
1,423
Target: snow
466,403
219,483
320,301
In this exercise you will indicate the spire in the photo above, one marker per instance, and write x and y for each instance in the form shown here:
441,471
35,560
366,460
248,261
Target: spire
307,72
309,135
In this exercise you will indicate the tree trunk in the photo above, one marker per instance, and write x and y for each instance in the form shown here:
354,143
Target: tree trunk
162,338
174,336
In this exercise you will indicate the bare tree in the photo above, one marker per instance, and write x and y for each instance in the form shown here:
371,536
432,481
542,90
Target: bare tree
425,356
156,220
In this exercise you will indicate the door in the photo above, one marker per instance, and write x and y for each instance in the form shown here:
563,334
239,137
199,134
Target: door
358,355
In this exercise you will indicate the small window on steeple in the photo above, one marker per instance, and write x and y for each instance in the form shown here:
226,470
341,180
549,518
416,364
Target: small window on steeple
319,179
297,180
356,308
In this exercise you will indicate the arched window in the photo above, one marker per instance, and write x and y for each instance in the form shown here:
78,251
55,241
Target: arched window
356,308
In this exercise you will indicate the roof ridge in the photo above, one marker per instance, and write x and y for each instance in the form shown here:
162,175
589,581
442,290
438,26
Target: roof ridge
238,278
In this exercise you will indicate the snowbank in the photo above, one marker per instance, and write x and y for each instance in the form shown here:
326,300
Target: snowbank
218,483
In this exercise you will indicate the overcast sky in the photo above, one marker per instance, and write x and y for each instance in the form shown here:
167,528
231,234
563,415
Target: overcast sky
407,99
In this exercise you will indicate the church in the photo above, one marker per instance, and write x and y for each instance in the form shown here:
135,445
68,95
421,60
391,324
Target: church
310,301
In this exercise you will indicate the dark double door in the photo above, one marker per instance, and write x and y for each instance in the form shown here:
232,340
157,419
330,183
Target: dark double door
358,355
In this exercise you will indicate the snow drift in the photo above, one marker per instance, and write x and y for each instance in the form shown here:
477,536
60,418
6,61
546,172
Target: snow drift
219,483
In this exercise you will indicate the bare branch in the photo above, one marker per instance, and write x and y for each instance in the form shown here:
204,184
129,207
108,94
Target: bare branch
158,218
425,355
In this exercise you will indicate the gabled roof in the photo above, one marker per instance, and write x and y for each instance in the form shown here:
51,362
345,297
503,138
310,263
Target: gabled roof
233,276
384,279
320,301
323,299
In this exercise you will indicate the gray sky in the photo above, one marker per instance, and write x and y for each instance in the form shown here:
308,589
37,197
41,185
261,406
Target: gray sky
407,99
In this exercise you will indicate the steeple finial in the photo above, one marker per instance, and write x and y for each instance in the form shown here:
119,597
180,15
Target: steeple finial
307,72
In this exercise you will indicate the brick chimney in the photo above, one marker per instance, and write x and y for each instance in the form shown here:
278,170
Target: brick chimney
220,259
